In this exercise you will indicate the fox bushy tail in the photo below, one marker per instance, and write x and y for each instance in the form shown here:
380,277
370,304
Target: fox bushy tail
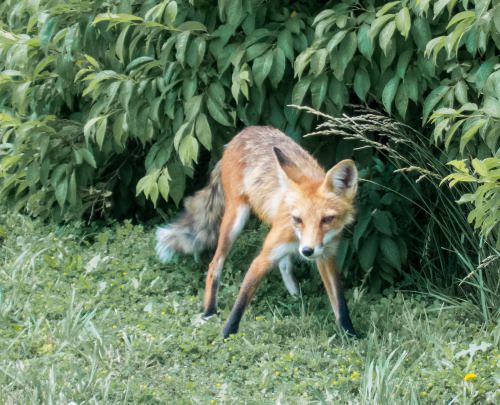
197,228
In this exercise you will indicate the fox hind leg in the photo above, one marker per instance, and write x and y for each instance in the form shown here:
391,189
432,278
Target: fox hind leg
258,269
286,269
233,222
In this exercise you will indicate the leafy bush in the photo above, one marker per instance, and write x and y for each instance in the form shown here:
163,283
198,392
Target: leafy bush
105,105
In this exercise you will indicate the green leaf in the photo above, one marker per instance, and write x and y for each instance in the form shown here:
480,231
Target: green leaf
491,107
171,11
285,43
142,60
451,133
192,26
181,46
401,101
192,107
480,167
118,18
177,187
87,128
300,89
256,50
361,225
217,92
318,61
439,6
278,69
319,86
469,14
365,44
72,196
382,222
403,61
61,191
341,58
383,10
389,93
368,252
337,92
496,18
484,71
470,132
164,184
302,61
461,92
336,39
378,24
361,83
421,32
101,131
181,132
217,112
120,44
88,157
188,150
410,82
432,100
403,22
203,131
196,52
261,67
385,38
47,31
390,251
434,46
459,165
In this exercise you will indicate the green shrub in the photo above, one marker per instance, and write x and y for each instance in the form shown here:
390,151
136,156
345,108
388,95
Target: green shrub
108,105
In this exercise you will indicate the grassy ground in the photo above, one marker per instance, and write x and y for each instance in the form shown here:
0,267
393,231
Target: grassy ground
92,317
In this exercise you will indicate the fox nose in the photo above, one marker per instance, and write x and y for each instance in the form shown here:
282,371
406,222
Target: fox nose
307,251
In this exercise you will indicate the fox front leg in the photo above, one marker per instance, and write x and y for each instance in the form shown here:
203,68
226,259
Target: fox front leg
331,280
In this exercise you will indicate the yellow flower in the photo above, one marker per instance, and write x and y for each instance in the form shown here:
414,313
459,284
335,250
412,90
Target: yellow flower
354,375
259,318
423,394
470,376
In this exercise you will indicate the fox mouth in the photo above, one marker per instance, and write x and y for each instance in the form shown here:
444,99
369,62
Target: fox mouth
308,258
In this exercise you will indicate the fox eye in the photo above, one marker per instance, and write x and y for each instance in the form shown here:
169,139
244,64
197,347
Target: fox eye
296,220
328,219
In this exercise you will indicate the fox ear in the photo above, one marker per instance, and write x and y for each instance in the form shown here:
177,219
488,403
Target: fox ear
287,170
342,179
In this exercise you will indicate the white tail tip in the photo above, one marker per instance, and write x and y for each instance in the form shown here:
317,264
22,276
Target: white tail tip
165,253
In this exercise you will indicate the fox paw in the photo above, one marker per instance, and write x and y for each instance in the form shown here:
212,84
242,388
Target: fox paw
200,319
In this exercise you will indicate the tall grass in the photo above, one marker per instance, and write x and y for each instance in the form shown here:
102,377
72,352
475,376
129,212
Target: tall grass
450,252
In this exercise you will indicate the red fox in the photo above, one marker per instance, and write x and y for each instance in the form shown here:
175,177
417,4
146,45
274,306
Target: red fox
264,171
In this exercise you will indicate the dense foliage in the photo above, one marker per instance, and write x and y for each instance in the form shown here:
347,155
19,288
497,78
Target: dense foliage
107,104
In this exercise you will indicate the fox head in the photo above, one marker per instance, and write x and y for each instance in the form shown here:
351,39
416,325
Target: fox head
318,210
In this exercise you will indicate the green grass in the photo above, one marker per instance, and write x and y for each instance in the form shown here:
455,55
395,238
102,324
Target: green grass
90,316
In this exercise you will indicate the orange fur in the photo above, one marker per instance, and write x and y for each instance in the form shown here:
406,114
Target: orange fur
265,171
